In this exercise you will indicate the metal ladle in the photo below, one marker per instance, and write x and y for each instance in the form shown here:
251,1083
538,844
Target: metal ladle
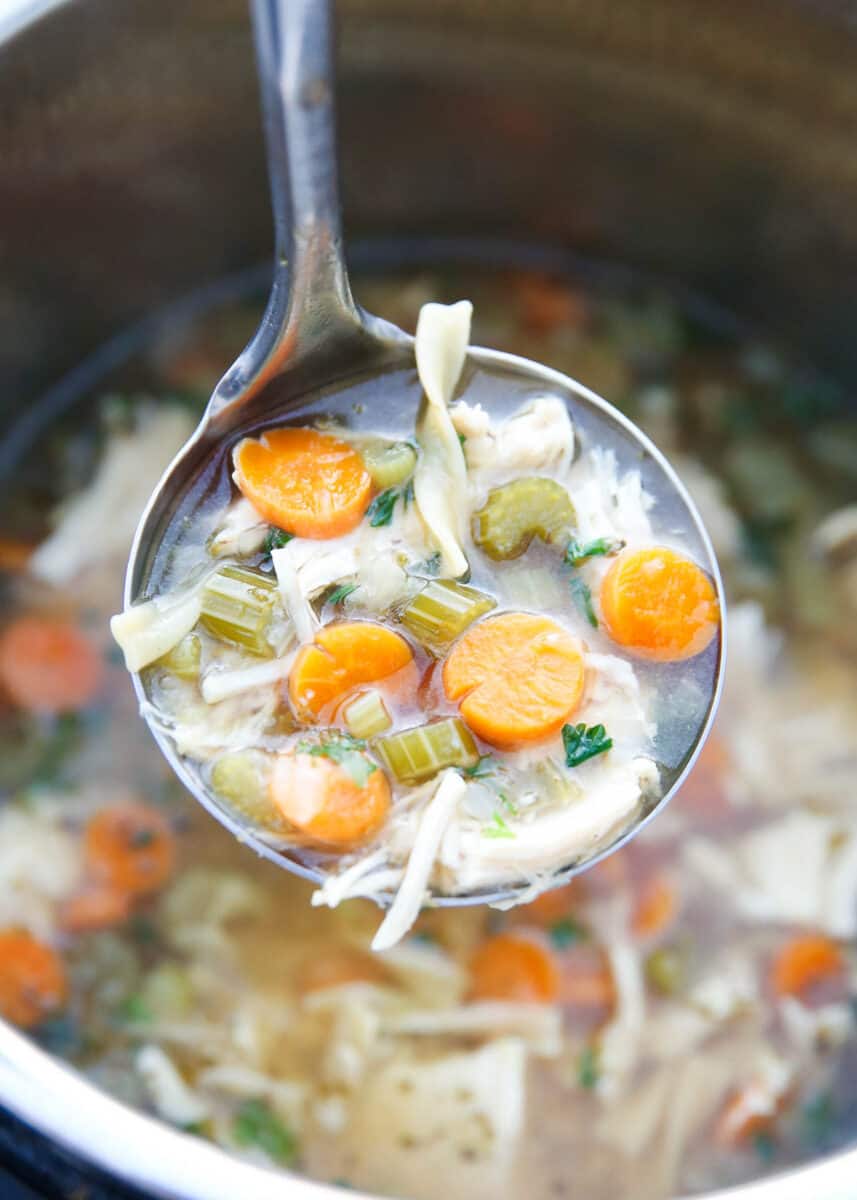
313,336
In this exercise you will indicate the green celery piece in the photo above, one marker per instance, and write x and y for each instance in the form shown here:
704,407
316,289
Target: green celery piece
442,611
389,463
419,753
237,606
517,512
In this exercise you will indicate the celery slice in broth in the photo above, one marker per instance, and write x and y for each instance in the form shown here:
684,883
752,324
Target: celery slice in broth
416,754
237,606
442,611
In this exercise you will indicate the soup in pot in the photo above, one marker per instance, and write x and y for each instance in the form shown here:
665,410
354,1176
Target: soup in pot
678,1018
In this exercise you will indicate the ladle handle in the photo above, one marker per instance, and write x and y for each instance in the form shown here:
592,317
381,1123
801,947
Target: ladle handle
311,314
294,48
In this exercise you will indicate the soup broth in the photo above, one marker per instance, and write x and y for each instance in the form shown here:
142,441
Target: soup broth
679,1018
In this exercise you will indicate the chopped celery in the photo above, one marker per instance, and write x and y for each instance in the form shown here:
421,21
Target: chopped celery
666,969
417,754
242,780
167,992
517,512
442,611
183,660
367,715
389,463
237,605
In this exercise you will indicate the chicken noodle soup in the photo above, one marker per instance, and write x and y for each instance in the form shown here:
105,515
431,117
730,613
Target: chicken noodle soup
680,1018
353,669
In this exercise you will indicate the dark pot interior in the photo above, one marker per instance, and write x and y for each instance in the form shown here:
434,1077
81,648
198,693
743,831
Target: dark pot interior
709,143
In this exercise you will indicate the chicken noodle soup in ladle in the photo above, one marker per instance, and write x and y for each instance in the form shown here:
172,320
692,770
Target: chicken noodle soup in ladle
445,637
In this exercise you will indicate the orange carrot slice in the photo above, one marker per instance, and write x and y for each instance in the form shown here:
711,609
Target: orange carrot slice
659,604
97,906
339,966
749,1110
130,848
550,906
33,984
517,677
311,484
48,665
514,967
586,980
322,800
14,555
805,961
344,656
655,908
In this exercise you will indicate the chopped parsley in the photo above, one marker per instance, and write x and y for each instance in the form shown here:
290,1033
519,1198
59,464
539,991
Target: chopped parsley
588,1071
380,511
462,440
566,932
134,1009
581,743
481,768
765,1145
426,567
816,1121
578,553
347,752
583,599
498,828
276,539
255,1124
341,593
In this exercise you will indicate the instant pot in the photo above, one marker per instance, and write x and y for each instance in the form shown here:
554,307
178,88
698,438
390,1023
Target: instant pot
709,143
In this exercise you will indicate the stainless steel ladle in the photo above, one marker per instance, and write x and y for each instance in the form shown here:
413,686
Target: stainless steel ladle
313,336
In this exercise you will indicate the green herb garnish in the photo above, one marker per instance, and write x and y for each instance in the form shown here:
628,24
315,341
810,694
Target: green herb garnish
347,751
462,440
134,1009
577,553
480,769
380,511
765,1145
816,1120
426,567
498,828
256,1125
340,593
581,743
566,932
276,539
583,599
587,1067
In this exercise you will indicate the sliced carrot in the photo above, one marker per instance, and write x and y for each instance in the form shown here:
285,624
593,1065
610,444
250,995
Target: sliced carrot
547,304
344,656
517,678
325,802
748,1111
655,907
130,848
96,906
659,604
309,483
550,906
514,967
339,966
586,980
14,555
48,665
806,960
33,984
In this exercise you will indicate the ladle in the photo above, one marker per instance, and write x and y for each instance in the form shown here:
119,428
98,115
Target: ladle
314,336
